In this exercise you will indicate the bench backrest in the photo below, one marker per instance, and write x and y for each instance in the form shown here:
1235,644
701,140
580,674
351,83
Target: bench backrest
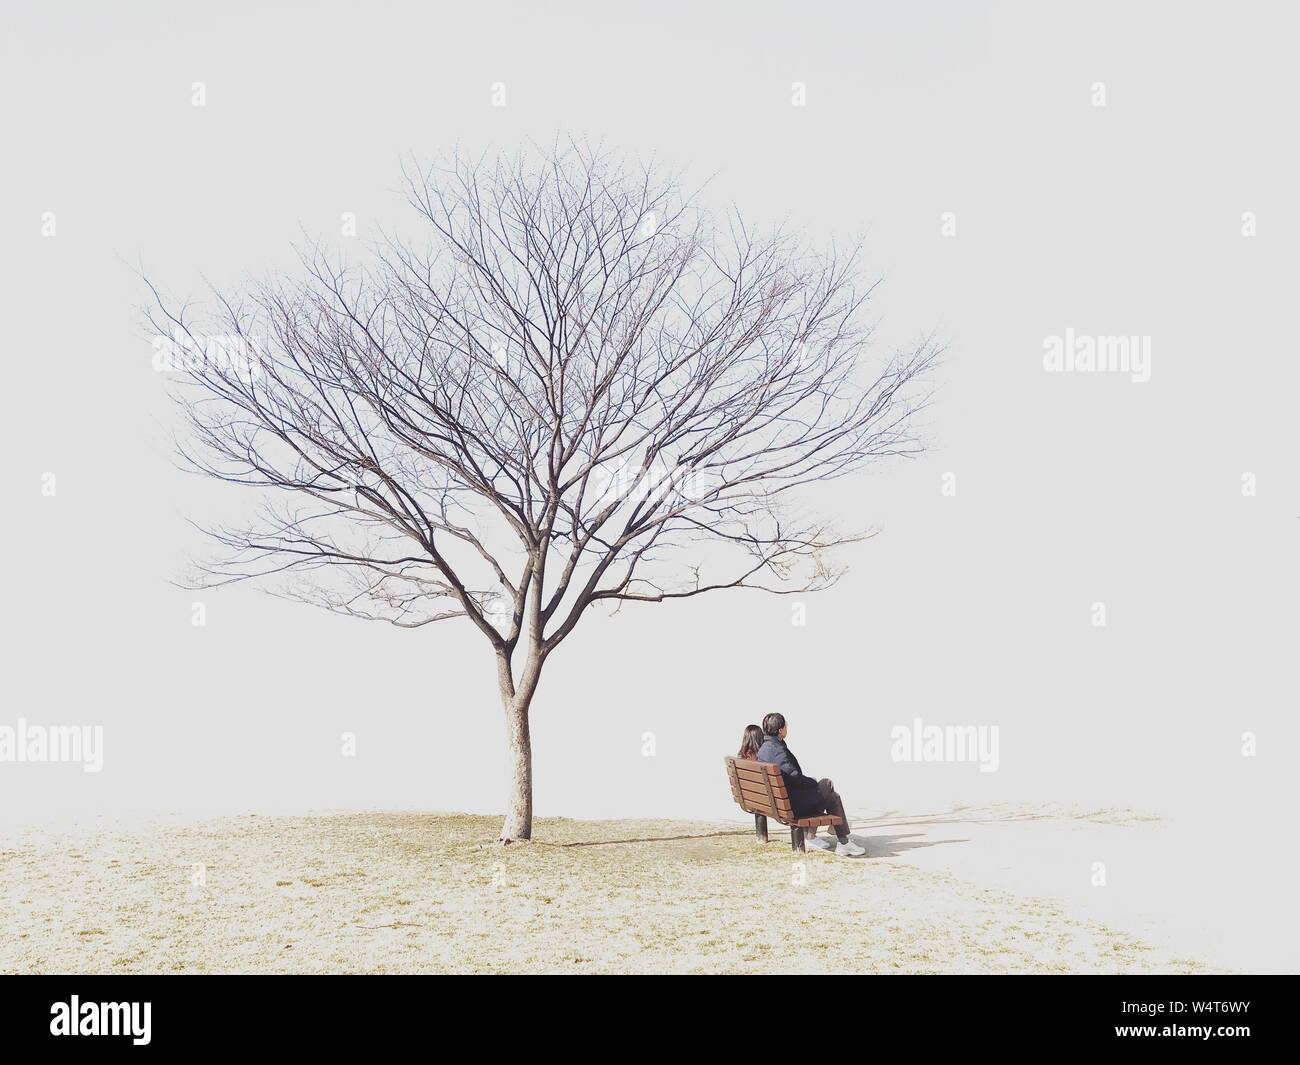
759,789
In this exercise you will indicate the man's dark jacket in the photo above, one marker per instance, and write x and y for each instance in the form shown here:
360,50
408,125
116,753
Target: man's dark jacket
804,794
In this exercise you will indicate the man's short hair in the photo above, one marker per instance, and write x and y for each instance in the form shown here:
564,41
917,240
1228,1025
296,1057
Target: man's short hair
773,724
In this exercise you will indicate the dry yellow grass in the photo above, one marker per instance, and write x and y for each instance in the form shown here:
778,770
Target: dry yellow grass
412,892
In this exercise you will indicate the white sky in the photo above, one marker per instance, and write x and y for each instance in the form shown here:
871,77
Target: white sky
976,609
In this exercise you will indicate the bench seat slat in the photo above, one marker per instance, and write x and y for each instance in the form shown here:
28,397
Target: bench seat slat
758,803
754,770
760,776
785,815
750,782
758,791
747,792
755,804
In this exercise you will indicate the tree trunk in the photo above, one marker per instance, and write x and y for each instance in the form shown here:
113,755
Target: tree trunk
519,799
516,699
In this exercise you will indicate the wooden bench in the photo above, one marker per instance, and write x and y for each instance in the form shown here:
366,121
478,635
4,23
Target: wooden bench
760,790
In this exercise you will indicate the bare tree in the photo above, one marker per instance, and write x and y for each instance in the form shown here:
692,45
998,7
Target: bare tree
582,390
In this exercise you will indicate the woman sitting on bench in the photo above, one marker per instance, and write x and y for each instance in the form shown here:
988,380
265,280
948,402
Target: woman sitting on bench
750,743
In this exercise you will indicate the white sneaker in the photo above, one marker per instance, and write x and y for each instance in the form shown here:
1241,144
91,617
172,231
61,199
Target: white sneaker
849,849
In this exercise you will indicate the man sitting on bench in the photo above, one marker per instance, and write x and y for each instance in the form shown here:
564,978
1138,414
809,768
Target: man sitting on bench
808,797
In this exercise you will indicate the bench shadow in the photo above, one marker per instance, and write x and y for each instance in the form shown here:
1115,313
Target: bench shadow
883,846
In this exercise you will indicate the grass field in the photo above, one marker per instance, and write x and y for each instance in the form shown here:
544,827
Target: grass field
411,892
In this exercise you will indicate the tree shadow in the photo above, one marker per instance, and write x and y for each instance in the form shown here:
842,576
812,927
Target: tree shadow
644,839
875,846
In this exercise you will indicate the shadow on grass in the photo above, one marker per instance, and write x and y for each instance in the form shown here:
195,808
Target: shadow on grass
643,839
876,846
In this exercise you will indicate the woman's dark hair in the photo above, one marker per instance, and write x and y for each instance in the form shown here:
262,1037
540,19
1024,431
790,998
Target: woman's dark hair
773,724
750,743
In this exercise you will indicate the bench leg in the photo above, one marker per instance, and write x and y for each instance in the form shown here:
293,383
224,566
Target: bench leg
796,838
760,827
